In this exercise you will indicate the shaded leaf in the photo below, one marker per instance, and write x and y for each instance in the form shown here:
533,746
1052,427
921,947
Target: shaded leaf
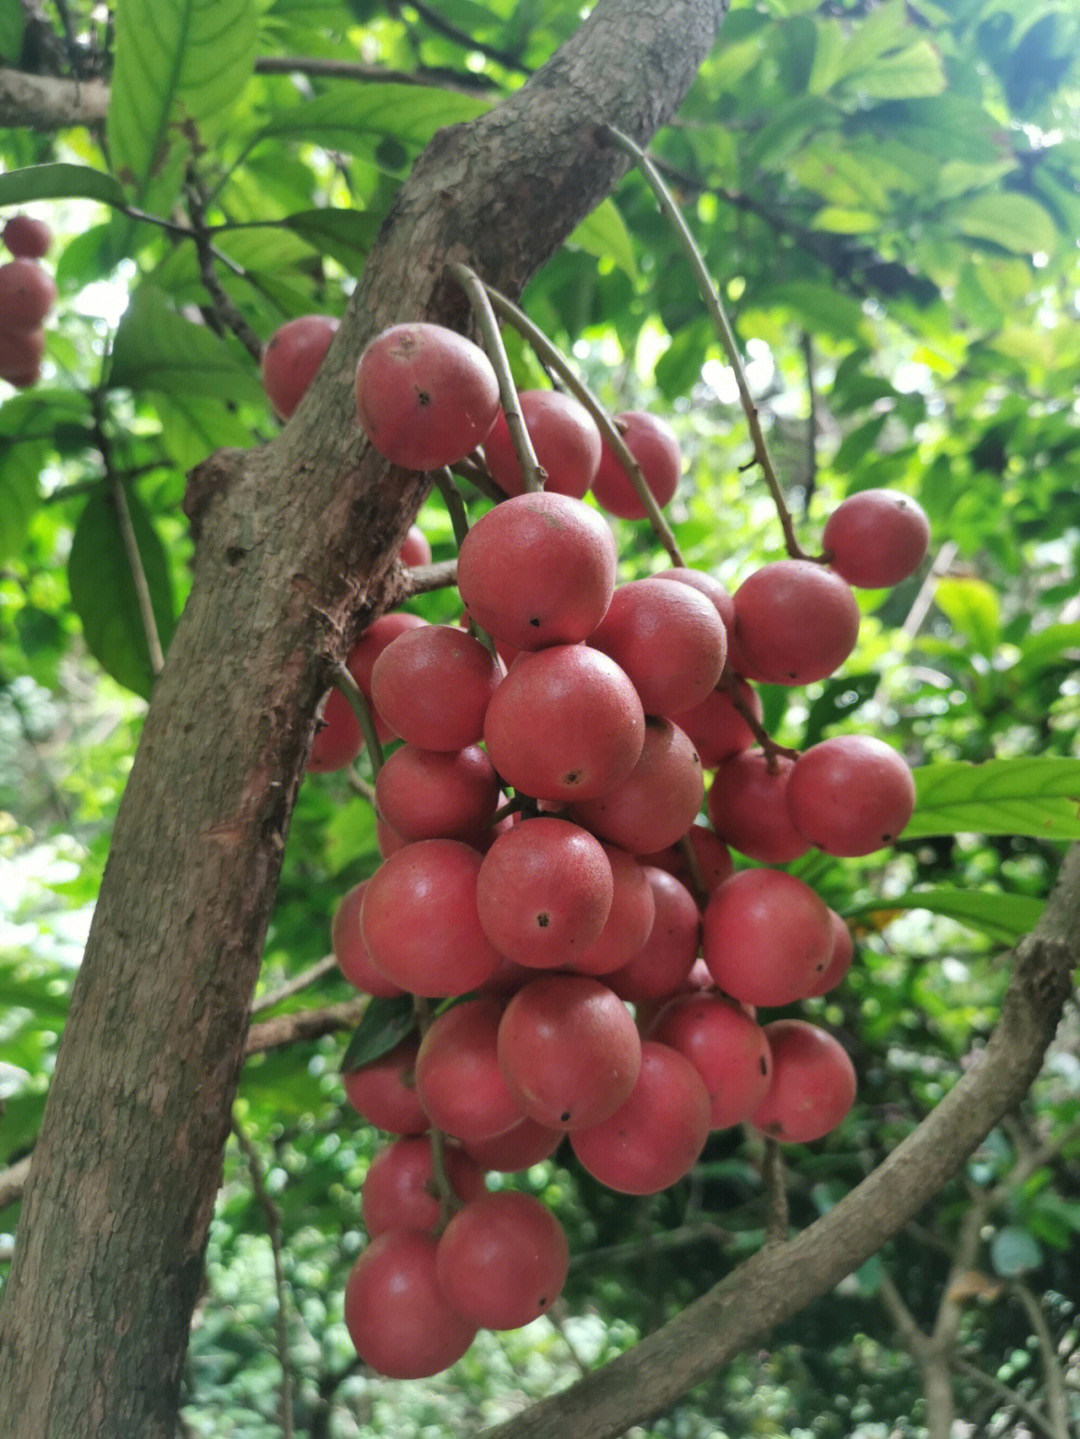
1015,222
157,349
385,1023
343,114
347,235
1014,1251
59,182
103,591
20,492
604,234
1005,917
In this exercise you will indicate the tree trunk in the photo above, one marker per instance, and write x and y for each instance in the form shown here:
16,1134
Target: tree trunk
294,554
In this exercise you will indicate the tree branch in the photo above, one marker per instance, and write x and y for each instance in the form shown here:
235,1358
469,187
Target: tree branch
779,1281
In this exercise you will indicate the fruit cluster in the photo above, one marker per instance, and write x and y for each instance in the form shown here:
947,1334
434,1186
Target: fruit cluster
539,921
27,294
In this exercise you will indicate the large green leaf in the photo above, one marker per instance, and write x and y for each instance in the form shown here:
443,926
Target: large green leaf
604,234
12,24
1015,222
59,182
157,349
1038,796
343,114
347,235
1004,917
913,73
20,491
103,589
177,61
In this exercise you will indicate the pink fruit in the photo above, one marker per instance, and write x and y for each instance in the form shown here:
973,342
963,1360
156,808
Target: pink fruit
652,443
292,357
813,1084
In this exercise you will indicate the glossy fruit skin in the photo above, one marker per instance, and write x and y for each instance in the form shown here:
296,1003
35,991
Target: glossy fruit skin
458,1080
502,1260
813,1084
564,437
420,923
382,1092
657,1134
350,951
27,238
438,794
432,686
850,795
544,892
668,638
748,807
396,1314
425,395
727,1048
27,294
795,622
565,723
528,1143
842,956
657,801
568,1050
291,358
538,570
767,937
876,538
660,967
652,443
396,1192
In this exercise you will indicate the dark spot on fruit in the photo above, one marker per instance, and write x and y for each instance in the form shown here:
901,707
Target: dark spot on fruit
572,777
886,839
820,967
423,399
542,1300
762,1065
543,920
775,1128
792,674
564,1118
535,622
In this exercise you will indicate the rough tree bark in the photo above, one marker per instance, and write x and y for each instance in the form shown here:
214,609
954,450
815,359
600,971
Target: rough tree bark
294,555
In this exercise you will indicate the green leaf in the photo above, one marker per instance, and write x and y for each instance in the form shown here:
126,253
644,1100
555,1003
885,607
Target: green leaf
971,607
157,349
20,492
1037,796
176,61
913,73
837,221
1005,917
347,235
1015,222
103,591
344,113
385,1023
12,25
604,235
1014,1251
59,182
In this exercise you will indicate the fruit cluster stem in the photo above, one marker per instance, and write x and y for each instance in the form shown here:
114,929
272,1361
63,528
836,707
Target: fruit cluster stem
345,682
718,315
551,356
532,472
449,1203
773,751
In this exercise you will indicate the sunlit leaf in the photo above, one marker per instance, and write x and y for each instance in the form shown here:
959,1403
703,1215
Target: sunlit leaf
1037,795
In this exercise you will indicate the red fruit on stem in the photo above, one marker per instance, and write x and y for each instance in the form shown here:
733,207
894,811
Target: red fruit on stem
396,1314
438,794
382,1091
795,622
502,1260
652,443
767,937
425,396
433,685
716,728
528,1143
568,1050
813,1084
458,1080
748,807
565,722
657,1134
351,952
842,955
415,549
27,238
291,359
710,853
876,538
703,582
850,795
27,294
657,801
20,353
398,1191
420,923
628,926
660,967
668,638
726,1046
564,437
538,570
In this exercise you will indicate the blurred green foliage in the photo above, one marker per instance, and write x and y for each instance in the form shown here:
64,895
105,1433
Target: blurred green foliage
888,196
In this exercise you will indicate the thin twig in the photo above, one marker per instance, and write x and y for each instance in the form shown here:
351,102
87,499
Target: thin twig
305,1024
557,1315
422,579
772,1171
1056,1402
226,312
470,469
352,70
449,1201
303,980
344,681
718,314
1011,1396
468,42
273,1229
455,505
552,356
811,422
681,1238
533,475
360,785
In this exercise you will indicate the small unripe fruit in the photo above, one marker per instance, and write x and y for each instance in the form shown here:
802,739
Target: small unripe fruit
425,395
292,357
652,443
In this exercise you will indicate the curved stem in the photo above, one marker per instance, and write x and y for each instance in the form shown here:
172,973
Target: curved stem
344,681
718,315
